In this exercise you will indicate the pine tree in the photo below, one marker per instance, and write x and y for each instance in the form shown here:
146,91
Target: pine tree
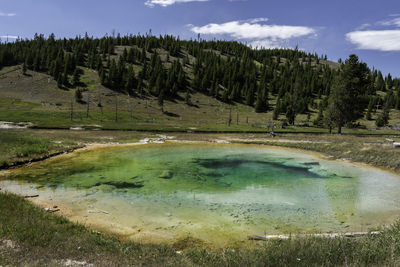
76,77
130,80
78,95
161,101
346,102
383,118
277,110
397,103
24,69
187,98
319,121
368,116
65,76
60,81
261,105
290,114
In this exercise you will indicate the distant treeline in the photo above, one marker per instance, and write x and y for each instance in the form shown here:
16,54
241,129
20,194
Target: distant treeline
285,81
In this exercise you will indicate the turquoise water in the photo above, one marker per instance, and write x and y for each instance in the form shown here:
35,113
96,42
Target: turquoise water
217,193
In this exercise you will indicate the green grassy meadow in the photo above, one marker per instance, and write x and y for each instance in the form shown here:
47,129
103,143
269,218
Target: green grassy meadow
35,98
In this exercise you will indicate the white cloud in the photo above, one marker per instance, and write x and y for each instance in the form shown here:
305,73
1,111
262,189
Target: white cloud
385,36
8,37
256,20
254,31
364,26
383,40
2,14
266,44
392,22
164,3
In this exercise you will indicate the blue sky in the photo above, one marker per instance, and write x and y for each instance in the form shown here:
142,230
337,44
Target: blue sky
370,29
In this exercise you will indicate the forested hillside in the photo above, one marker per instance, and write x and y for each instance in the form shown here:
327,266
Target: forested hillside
281,81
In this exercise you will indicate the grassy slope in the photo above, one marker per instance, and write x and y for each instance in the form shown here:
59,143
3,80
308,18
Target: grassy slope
36,98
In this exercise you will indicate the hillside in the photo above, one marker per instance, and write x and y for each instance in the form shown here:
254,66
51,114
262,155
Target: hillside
149,83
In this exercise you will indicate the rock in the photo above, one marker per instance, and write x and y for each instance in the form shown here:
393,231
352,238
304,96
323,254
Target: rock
50,210
9,244
75,263
396,145
166,175
76,129
98,211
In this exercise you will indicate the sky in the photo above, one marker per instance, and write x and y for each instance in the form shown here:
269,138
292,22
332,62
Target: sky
336,28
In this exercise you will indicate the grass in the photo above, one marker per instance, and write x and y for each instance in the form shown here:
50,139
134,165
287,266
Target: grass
45,239
36,98
17,148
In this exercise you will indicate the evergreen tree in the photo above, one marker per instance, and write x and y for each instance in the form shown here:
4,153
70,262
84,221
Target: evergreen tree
319,121
383,118
78,95
76,77
347,101
24,69
161,100
277,110
188,98
261,103
130,80
60,81
368,116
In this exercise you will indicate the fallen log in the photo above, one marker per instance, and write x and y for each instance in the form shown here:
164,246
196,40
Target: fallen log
50,210
32,196
328,235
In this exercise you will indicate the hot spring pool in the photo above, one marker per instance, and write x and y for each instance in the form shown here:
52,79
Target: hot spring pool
217,193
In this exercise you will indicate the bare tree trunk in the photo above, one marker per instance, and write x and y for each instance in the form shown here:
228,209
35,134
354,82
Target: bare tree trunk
116,108
72,110
100,104
87,109
131,108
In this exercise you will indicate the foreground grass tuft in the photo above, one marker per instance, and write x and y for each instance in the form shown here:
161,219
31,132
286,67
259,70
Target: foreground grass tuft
17,147
47,237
